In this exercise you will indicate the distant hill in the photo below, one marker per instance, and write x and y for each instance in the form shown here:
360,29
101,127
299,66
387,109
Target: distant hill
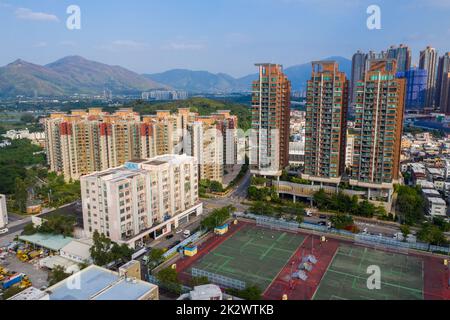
206,82
70,75
77,75
197,81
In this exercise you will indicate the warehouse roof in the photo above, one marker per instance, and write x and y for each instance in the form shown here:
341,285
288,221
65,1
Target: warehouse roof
48,241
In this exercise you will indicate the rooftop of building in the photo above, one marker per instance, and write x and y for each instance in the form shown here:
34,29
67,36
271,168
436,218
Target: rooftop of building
48,241
438,201
97,283
30,293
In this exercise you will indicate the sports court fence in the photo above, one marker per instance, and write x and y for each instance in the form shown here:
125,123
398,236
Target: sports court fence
192,238
392,243
276,223
371,240
219,280
171,287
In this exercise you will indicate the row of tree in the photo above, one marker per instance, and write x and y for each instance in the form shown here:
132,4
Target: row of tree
342,203
57,224
217,218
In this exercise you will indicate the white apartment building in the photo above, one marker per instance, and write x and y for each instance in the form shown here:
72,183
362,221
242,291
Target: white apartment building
3,212
436,207
141,200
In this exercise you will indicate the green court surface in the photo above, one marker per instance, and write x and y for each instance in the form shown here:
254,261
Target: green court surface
253,255
346,278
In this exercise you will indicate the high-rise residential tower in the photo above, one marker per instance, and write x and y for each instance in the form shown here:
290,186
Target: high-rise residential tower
269,141
443,70
378,129
359,60
326,123
416,89
428,61
402,55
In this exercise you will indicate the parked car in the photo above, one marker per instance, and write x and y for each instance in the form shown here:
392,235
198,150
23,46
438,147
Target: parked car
179,231
322,216
322,223
308,213
3,231
169,236
187,233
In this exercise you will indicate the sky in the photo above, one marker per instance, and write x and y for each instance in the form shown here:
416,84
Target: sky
230,36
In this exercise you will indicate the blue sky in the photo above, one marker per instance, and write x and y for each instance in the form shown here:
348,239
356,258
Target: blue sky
215,35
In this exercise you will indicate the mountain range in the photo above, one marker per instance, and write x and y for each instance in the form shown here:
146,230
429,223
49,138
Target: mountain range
70,75
206,82
77,75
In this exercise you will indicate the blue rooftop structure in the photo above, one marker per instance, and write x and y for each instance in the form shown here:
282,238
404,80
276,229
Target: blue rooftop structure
96,283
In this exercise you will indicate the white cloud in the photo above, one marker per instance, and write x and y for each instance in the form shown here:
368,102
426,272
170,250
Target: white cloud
68,43
40,44
129,44
28,14
184,45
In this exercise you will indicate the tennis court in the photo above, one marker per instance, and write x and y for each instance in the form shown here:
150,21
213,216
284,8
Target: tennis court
253,255
346,278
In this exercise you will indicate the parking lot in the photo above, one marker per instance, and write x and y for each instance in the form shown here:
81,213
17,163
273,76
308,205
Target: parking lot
37,276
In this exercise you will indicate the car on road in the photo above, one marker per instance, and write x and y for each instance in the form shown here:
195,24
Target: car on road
322,223
179,231
169,236
322,216
3,231
308,213
187,233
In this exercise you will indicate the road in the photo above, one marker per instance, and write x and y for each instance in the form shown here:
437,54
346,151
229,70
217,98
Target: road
235,198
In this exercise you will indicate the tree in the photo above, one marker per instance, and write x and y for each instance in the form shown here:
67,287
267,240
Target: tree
217,218
11,292
121,252
251,293
366,209
321,199
168,278
431,234
156,255
58,224
216,186
198,281
341,221
441,224
261,208
406,230
20,195
100,250
27,118
58,274
410,204
29,229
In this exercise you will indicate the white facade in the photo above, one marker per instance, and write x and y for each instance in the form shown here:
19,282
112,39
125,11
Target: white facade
349,150
142,198
436,207
3,212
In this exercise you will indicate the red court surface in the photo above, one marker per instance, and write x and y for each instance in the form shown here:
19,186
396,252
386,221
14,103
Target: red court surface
436,279
298,289
436,275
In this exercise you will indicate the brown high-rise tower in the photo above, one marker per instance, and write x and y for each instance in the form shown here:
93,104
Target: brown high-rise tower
269,143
